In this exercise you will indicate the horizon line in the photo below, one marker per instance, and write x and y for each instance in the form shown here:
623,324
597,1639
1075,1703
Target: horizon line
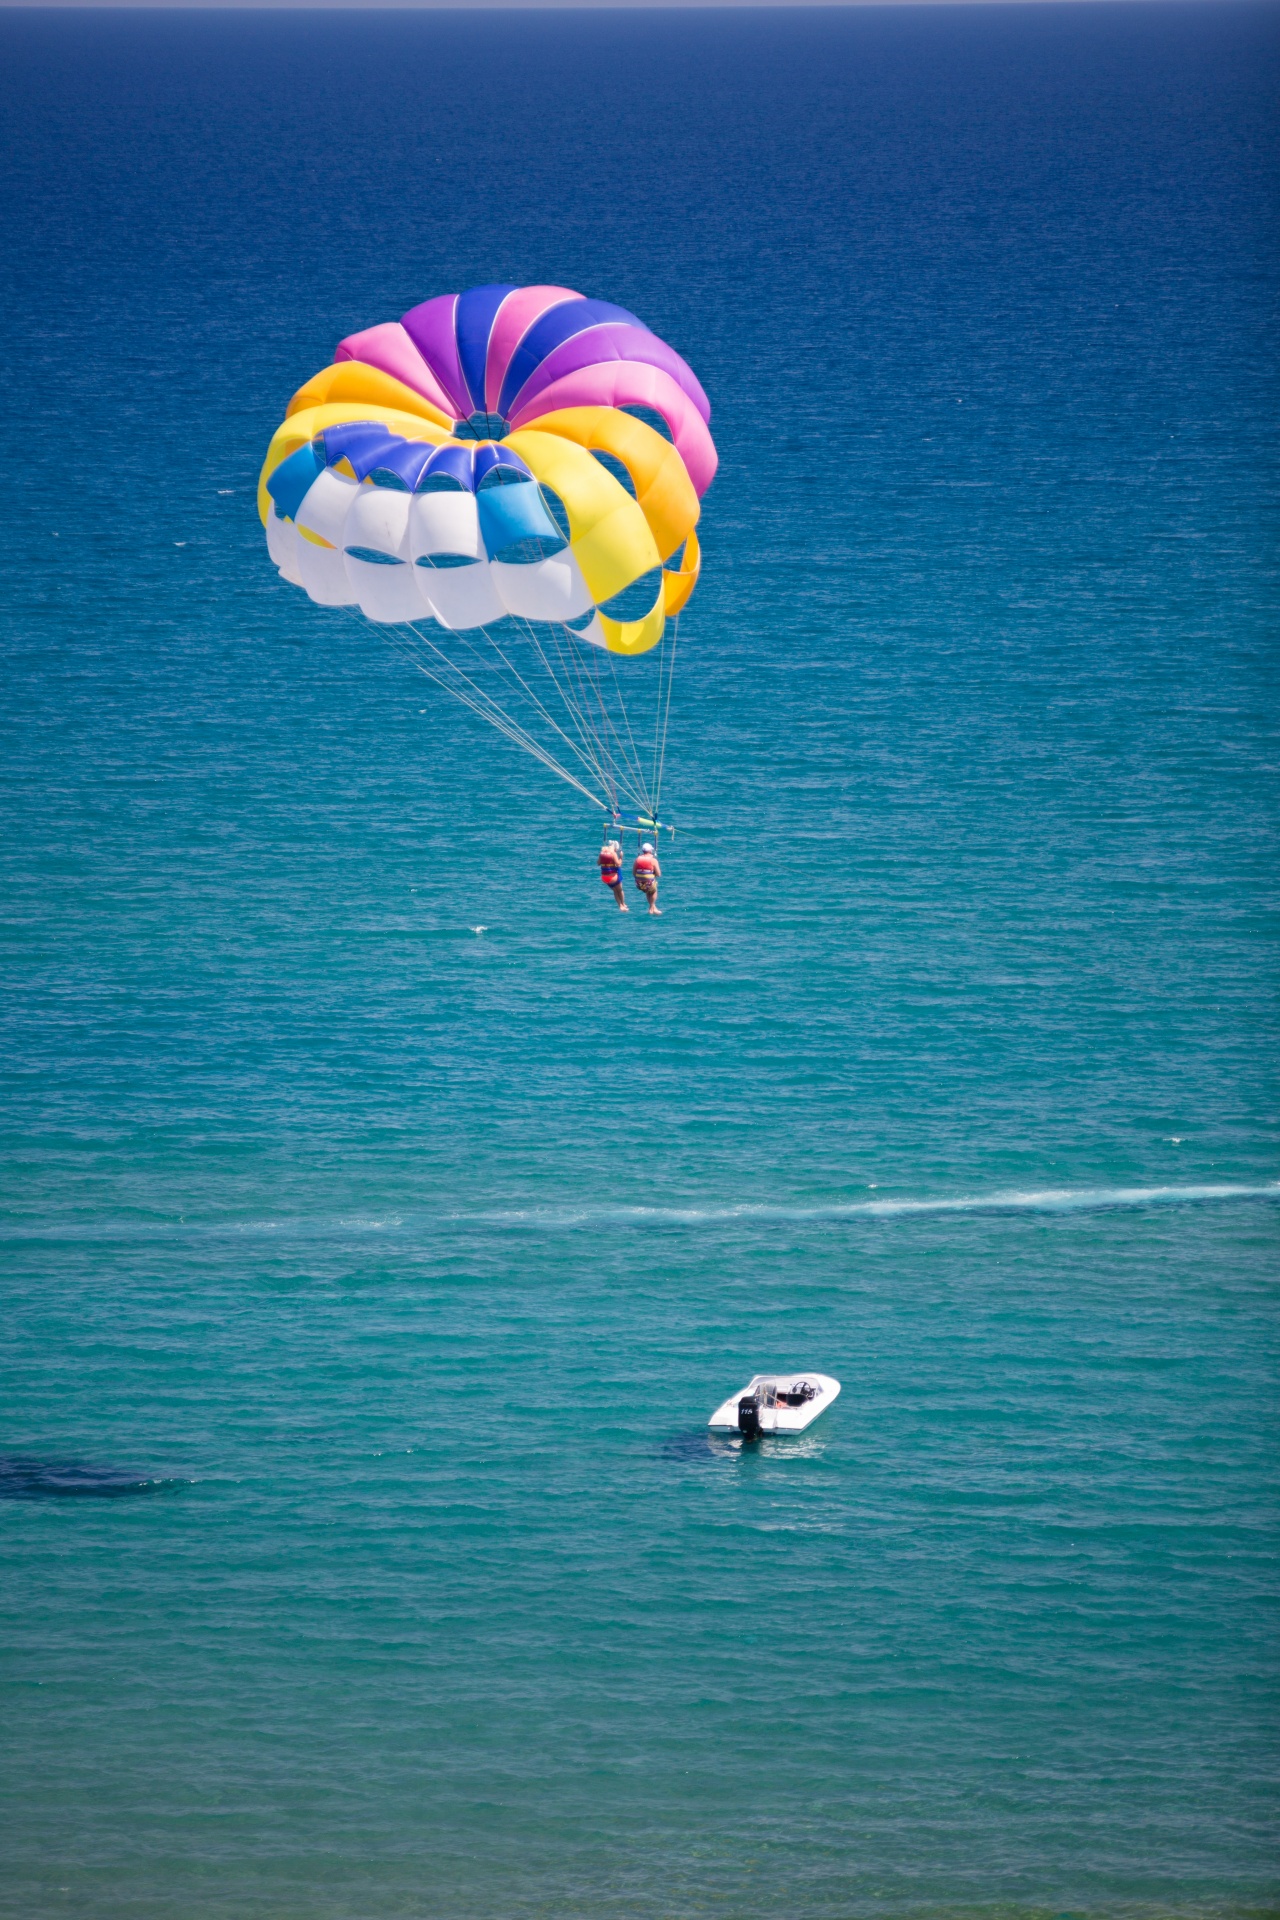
590,6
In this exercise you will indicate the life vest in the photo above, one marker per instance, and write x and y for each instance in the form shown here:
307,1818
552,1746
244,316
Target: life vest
645,866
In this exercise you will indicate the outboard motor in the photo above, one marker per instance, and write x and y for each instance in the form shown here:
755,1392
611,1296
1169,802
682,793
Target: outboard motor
749,1416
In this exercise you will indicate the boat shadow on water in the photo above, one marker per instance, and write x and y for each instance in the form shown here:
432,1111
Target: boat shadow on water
25,1477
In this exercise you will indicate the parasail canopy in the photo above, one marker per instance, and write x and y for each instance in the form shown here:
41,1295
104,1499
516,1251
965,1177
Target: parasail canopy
508,482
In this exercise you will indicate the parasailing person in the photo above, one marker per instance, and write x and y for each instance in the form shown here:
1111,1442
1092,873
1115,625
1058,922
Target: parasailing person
610,862
646,873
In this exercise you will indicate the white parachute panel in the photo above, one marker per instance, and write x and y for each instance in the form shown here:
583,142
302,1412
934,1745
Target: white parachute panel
551,589
388,594
378,518
325,506
445,523
461,597
324,575
282,545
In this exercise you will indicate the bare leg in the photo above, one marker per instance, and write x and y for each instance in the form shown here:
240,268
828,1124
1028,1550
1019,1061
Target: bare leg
653,902
618,896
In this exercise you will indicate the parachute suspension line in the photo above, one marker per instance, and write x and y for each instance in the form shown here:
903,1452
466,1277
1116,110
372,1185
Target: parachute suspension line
515,734
588,759
518,687
503,722
580,706
591,674
664,664
596,747
530,697
516,737
606,754
582,722
484,665
487,704
662,753
586,669
635,751
632,759
480,703
576,670
580,668
497,720
606,747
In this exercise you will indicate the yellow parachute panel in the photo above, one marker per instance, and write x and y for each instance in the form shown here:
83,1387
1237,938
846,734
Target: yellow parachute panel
664,491
679,582
350,380
635,636
608,534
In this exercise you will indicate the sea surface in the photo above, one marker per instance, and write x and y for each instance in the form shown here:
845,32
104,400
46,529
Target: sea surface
367,1281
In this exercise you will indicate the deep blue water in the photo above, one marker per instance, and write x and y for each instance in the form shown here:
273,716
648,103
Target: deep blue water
366,1282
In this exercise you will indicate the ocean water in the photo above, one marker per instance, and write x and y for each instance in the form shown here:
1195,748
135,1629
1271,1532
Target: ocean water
367,1281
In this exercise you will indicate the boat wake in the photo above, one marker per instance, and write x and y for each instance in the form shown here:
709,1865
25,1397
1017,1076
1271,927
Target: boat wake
562,1218
1040,1200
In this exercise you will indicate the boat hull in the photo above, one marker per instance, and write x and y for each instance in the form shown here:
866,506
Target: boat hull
774,1418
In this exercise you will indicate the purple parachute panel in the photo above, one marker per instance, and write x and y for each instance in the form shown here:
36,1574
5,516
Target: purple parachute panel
433,329
611,341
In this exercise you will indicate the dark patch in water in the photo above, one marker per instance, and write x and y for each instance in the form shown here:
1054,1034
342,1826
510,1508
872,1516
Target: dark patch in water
22,1477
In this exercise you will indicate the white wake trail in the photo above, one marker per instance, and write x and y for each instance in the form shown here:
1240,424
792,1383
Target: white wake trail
550,1219
1041,1200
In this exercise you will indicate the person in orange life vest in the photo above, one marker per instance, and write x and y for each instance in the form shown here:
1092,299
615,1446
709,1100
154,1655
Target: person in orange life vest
647,874
610,862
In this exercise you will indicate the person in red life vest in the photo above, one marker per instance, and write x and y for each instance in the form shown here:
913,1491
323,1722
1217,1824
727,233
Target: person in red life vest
647,874
610,861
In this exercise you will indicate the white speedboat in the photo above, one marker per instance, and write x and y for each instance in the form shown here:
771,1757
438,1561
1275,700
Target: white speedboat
775,1403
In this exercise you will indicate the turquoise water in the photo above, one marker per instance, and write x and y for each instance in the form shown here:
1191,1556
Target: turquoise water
367,1281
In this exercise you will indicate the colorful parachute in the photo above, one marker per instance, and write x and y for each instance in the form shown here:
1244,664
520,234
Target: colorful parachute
508,482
